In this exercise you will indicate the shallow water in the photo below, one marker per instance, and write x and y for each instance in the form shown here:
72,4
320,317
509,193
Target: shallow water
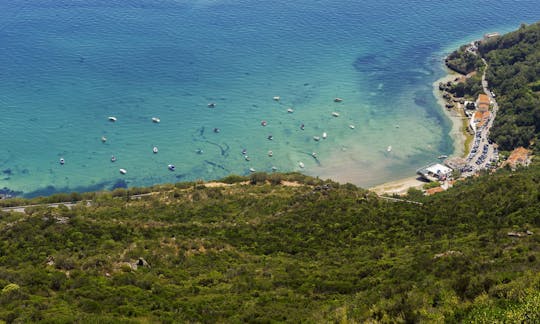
68,65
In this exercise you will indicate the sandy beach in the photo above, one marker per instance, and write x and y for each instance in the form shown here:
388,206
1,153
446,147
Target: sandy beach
398,187
401,186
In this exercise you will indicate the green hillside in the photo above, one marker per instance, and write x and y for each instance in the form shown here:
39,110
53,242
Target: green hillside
514,75
270,253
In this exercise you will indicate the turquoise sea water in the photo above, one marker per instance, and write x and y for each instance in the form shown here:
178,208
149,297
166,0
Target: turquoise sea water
65,66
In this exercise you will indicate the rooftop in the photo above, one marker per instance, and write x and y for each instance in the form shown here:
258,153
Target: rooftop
519,156
432,191
434,171
483,98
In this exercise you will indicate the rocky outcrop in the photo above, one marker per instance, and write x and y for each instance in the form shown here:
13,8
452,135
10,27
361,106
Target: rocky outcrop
447,254
520,234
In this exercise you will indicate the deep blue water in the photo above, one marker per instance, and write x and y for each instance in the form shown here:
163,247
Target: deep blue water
65,66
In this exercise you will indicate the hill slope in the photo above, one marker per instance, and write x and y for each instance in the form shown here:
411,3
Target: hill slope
278,253
514,75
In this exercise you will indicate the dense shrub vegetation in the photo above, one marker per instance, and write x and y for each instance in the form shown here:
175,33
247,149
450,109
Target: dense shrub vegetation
514,75
463,61
268,252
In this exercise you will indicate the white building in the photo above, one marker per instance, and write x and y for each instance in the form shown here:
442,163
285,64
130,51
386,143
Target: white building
435,172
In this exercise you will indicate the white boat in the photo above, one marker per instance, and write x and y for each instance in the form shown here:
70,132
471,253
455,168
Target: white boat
389,148
62,161
335,114
156,120
171,167
338,100
246,158
155,149
324,135
123,171
301,164
103,139
270,153
290,110
274,168
441,157
251,170
352,127
316,138
314,155
112,118
113,158
276,98
211,105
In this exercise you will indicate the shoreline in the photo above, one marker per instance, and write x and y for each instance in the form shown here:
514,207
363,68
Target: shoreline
456,132
398,187
401,186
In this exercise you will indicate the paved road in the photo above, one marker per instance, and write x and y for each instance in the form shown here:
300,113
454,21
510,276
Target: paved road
68,204
483,154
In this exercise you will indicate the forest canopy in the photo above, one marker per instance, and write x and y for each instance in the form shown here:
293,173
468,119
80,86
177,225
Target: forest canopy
270,251
514,75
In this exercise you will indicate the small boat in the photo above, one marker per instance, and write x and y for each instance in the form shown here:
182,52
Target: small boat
442,157
251,170
155,149
199,151
62,161
156,120
264,123
216,130
352,127
112,118
246,158
290,110
276,98
335,114
123,171
338,100
324,135
389,148
274,168
302,127
244,151
103,139
211,105
270,137
270,153
301,165
171,167
316,138
113,158
314,155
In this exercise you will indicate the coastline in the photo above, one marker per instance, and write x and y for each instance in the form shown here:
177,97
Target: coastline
401,186
398,187
456,132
